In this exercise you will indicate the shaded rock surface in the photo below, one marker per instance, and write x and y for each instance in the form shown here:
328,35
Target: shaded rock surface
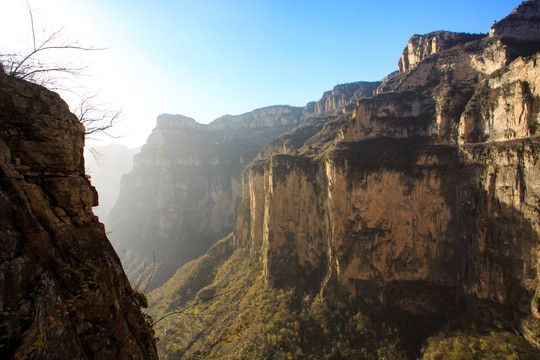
63,293
523,24
182,193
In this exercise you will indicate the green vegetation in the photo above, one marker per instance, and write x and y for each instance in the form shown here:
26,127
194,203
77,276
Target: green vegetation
252,321
237,316
471,346
487,331
534,127
141,299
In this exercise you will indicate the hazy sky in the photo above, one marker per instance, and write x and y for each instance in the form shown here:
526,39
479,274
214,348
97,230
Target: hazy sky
203,58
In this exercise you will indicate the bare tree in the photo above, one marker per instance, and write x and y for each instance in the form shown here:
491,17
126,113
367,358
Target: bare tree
96,117
36,68
38,65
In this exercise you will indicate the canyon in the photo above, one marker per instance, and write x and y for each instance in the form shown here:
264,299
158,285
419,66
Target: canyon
412,207
396,219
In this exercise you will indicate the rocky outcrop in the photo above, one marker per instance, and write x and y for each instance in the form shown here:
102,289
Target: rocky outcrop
106,165
520,30
505,106
523,24
341,98
268,117
422,46
181,195
63,293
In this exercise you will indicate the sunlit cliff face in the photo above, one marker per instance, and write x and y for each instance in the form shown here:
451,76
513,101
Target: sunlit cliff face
426,188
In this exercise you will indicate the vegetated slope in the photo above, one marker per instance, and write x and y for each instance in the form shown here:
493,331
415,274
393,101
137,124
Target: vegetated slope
248,320
63,293
407,228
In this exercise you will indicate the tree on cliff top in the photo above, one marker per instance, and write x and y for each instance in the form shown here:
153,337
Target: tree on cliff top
40,66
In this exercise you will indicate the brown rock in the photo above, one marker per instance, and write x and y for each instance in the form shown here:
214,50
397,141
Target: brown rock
63,293
181,195
422,199
422,46
522,24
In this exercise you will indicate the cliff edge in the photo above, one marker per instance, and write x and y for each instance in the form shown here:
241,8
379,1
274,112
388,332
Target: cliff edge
63,293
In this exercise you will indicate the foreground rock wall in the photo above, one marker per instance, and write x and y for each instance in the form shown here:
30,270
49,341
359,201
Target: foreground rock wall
63,293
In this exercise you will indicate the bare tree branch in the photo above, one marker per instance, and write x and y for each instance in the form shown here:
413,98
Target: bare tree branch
37,66
96,117
19,68
186,308
31,23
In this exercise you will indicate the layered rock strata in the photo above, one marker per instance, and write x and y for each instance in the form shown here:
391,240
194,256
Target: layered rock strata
63,293
422,46
415,214
424,198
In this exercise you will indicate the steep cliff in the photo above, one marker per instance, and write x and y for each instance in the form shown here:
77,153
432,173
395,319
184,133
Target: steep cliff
416,214
181,195
431,185
63,293
522,25
341,97
422,46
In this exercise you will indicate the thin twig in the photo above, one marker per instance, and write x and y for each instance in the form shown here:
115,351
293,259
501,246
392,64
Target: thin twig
152,273
31,22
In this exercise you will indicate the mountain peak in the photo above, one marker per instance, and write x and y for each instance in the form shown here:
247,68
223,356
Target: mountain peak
175,121
522,24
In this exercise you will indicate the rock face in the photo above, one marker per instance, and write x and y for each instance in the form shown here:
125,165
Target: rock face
425,197
523,24
334,103
181,196
63,293
269,117
422,46
341,97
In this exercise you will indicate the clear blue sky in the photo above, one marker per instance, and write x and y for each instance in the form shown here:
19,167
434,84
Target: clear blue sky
204,58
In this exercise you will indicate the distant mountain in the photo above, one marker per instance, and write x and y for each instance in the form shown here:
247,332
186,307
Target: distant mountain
181,195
